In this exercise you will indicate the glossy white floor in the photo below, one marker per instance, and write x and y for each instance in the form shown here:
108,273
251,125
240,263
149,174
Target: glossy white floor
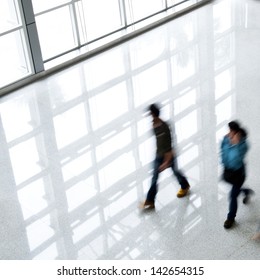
76,148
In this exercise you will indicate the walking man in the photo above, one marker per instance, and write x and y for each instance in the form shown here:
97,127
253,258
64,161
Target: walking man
164,158
233,150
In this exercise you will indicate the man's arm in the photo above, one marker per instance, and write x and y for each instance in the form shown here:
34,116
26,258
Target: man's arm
166,160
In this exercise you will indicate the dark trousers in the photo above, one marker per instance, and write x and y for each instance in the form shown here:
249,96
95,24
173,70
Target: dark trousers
178,174
236,178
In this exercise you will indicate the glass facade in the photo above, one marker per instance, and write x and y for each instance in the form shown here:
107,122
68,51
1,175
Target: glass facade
14,52
53,161
66,26
56,32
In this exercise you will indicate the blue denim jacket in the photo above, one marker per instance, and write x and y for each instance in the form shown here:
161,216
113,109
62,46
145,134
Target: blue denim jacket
232,156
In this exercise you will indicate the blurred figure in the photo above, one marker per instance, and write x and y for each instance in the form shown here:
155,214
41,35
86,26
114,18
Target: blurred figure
164,158
233,150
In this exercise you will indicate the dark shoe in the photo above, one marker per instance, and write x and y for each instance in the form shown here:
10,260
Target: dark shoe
228,223
247,197
147,205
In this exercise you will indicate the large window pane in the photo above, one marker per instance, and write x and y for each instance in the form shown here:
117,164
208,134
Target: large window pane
9,15
173,2
55,32
43,5
13,56
97,18
176,2
139,9
181,4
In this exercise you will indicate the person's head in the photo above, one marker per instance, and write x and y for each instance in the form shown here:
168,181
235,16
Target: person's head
234,127
154,110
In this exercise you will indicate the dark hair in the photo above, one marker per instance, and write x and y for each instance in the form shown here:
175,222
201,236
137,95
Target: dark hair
234,126
243,132
154,109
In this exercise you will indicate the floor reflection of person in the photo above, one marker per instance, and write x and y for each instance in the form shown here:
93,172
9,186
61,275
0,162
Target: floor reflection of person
234,147
165,158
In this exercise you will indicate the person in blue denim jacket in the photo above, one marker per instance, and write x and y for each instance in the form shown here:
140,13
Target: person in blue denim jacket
234,147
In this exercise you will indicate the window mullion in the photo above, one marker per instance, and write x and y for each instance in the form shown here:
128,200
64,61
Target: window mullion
32,35
123,12
74,21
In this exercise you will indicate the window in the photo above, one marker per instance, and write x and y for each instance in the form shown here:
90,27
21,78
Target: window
139,9
9,15
61,28
56,32
14,55
44,5
97,18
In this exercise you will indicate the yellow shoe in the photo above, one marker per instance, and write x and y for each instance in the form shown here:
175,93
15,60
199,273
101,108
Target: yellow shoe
183,192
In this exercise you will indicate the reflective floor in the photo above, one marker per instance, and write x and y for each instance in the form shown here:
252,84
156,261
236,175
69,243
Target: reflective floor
76,148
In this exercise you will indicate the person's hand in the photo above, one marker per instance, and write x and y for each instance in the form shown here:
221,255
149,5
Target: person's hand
166,161
164,166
